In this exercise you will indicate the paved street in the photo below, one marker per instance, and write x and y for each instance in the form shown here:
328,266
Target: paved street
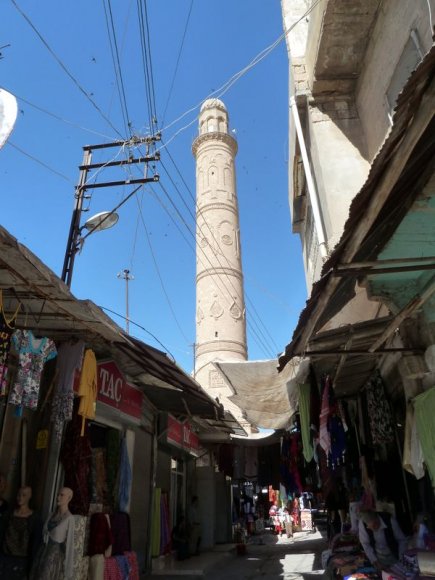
267,558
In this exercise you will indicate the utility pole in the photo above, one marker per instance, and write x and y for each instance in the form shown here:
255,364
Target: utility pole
73,243
125,274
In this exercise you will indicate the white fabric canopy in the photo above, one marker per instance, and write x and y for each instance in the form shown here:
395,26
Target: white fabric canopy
267,398
8,115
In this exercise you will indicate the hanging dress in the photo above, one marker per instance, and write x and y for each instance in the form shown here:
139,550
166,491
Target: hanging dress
33,353
7,328
56,559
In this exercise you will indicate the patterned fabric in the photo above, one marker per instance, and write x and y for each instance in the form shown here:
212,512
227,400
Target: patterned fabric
33,353
7,327
76,460
123,566
50,563
111,570
83,571
133,565
381,424
79,545
17,537
70,357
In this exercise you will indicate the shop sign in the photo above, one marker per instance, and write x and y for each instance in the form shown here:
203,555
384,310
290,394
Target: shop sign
113,390
181,435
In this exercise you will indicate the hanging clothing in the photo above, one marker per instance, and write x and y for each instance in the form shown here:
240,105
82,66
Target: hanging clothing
56,558
380,418
20,540
100,535
338,441
88,387
33,353
124,478
69,361
304,413
412,452
424,406
120,522
113,448
324,437
251,463
7,327
76,455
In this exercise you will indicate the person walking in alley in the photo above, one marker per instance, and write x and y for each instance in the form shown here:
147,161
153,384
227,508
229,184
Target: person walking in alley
194,526
382,538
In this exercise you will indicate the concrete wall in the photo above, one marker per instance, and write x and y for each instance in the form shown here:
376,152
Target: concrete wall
395,20
206,491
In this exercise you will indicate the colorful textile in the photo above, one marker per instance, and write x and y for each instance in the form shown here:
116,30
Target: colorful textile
120,524
111,570
133,565
69,361
79,545
338,441
412,451
304,413
123,566
125,476
76,460
380,418
324,437
7,327
88,387
33,353
424,406
83,571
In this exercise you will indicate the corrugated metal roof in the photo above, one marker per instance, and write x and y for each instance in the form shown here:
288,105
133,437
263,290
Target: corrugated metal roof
408,184
50,309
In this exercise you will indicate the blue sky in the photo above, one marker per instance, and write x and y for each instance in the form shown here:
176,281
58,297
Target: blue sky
36,201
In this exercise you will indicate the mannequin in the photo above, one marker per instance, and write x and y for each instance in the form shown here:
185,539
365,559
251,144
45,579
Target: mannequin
20,538
56,558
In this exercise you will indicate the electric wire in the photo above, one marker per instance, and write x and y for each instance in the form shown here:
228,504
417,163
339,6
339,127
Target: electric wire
59,118
147,63
150,65
9,142
141,327
156,266
225,290
116,64
177,63
216,255
252,306
228,84
64,68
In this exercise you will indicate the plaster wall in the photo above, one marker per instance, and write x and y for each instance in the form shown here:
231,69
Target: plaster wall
395,20
337,150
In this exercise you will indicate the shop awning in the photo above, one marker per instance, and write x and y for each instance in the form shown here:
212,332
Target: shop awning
398,174
267,398
50,309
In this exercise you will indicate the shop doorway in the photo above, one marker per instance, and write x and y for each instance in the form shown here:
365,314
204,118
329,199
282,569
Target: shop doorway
178,490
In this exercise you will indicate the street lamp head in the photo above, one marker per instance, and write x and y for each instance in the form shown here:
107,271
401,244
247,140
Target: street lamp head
101,221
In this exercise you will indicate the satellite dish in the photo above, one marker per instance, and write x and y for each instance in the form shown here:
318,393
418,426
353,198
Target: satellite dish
8,115
101,221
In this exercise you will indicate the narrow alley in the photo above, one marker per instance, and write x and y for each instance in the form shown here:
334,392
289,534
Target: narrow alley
267,556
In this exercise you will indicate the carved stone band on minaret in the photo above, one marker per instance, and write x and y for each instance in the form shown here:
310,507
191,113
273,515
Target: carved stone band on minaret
215,136
220,271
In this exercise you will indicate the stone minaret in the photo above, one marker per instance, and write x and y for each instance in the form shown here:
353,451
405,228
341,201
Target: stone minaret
220,305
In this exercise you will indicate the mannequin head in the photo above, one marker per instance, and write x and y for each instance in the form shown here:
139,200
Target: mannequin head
23,496
64,497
